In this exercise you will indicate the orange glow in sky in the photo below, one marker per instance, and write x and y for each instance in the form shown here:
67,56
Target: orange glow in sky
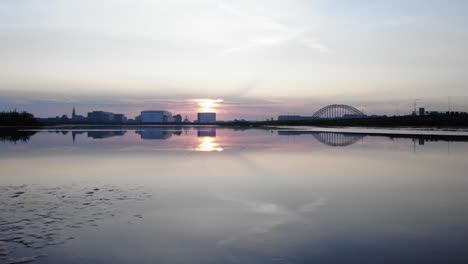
208,105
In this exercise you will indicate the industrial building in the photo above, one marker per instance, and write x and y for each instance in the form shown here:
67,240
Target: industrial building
206,117
159,116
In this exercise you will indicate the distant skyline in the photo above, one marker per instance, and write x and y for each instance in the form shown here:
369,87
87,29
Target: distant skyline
263,58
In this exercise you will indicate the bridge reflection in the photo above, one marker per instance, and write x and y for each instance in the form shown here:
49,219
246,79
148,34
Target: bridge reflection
331,139
338,139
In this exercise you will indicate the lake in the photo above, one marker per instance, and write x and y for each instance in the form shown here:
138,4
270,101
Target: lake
220,195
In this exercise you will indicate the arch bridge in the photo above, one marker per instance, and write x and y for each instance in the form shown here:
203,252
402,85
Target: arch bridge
338,111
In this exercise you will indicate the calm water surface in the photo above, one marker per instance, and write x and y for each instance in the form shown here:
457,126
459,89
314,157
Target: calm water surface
213,195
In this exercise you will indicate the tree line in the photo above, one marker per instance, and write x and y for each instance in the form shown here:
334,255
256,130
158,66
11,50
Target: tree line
15,118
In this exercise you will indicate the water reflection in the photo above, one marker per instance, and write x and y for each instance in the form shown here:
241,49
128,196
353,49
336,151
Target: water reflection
42,217
207,140
105,134
267,197
13,136
208,144
328,138
154,133
206,132
94,134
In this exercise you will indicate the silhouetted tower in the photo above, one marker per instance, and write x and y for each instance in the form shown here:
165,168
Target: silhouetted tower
73,113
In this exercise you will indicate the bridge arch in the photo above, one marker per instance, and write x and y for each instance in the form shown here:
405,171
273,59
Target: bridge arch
338,111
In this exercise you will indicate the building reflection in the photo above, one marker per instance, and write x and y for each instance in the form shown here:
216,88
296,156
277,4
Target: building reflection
156,133
74,133
206,132
207,140
159,132
106,134
95,134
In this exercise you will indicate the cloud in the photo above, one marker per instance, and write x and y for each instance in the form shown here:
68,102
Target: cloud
313,206
278,33
92,51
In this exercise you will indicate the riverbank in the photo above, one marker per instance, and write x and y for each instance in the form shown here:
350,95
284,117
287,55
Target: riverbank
392,125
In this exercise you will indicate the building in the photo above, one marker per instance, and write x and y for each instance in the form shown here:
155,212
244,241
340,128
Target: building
156,117
422,111
77,118
100,116
138,119
120,118
177,119
105,117
206,117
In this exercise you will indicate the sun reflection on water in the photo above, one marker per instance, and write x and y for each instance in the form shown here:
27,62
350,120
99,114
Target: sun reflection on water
208,144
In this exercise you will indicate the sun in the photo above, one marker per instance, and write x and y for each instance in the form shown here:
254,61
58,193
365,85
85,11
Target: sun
208,105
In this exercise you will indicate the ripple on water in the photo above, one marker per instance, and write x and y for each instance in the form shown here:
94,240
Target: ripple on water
35,217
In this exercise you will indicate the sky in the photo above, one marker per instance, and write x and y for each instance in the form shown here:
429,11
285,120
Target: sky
262,58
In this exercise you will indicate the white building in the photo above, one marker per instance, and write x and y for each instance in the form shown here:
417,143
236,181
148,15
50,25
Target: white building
156,117
206,117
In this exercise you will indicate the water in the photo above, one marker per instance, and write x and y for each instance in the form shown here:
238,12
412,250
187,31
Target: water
218,195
